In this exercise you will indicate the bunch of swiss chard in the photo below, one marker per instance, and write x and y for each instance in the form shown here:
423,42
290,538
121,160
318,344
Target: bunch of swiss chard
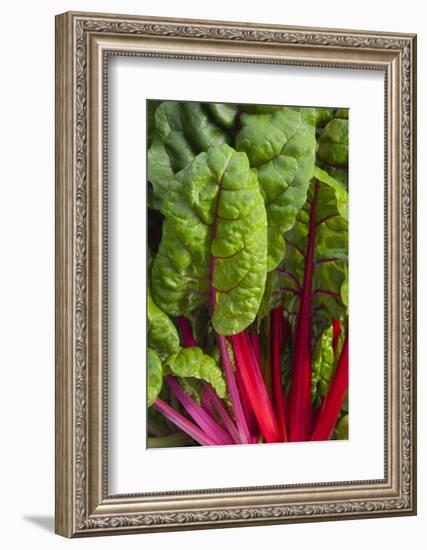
248,271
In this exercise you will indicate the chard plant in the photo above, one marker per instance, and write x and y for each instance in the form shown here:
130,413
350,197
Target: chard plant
248,274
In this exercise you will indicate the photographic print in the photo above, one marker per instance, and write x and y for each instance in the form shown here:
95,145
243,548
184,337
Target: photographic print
247,240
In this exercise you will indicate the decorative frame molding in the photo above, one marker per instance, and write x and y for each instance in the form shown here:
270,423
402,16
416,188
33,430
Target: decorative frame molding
83,43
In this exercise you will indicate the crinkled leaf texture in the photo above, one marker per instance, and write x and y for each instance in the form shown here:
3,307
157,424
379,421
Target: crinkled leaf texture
182,130
214,242
281,145
323,362
162,334
329,286
154,376
225,114
193,363
333,143
323,115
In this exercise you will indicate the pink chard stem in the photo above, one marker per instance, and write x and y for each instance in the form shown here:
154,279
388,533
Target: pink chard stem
189,341
186,333
230,379
208,424
207,404
217,404
182,423
336,328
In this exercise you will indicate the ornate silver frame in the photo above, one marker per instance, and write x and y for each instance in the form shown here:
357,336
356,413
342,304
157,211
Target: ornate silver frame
83,42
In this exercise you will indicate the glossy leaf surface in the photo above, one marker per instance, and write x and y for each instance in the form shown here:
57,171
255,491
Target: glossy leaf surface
333,143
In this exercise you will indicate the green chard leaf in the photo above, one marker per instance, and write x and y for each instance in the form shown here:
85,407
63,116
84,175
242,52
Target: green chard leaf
259,109
330,261
162,333
214,242
151,123
333,143
155,377
281,145
323,115
341,429
286,364
341,113
224,114
267,301
339,173
275,279
341,193
323,362
344,408
182,130
193,363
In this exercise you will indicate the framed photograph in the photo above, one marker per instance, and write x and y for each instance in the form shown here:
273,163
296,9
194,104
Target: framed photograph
235,274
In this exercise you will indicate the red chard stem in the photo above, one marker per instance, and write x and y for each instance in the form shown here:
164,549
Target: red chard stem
331,406
254,336
247,407
257,392
336,328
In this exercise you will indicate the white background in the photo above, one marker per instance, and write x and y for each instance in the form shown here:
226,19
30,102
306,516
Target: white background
27,320
360,458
